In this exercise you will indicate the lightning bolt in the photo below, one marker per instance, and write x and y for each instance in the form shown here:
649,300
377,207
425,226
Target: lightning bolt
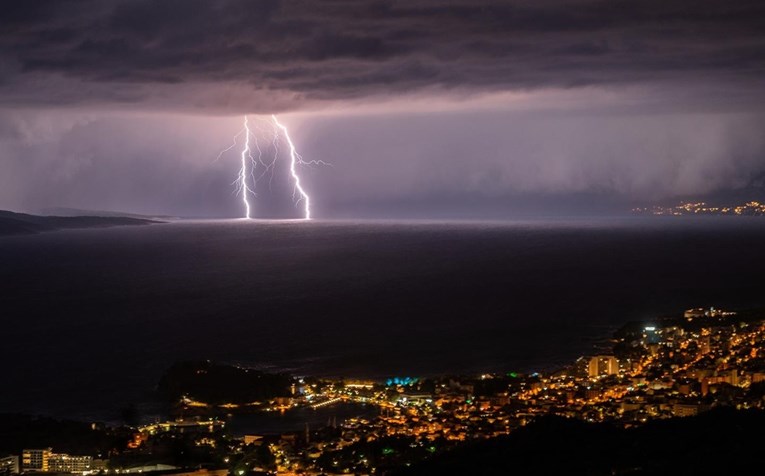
241,181
249,164
294,160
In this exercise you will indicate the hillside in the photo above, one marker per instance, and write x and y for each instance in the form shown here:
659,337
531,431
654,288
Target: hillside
711,443
12,223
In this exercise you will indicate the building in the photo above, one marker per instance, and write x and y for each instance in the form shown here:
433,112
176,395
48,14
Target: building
64,463
36,460
9,465
688,409
691,314
603,365
45,460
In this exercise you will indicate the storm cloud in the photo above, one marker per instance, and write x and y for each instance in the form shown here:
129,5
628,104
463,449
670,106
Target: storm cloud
424,107
276,55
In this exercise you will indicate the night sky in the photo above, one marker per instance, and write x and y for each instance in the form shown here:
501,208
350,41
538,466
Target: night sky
423,107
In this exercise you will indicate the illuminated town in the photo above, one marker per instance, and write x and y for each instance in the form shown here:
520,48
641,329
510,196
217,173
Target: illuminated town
673,367
752,208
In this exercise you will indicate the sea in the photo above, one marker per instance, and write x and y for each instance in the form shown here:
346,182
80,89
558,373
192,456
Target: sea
90,319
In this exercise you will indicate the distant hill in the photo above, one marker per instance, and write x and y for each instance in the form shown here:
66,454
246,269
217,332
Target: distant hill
753,191
79,212
220,383
12,223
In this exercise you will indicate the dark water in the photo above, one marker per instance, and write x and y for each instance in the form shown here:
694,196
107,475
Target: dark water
91,318
297,419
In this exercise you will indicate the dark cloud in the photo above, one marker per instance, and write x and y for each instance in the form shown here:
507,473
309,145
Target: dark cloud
423,106
275,54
